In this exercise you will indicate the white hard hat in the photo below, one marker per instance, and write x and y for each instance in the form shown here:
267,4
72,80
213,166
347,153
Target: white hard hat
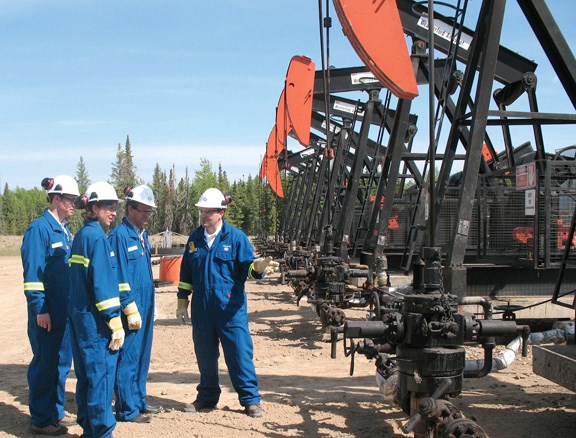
101,191
212,198
61,184
142,194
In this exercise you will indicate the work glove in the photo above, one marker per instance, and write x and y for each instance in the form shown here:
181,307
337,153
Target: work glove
182,310
133,316
117,338
266,265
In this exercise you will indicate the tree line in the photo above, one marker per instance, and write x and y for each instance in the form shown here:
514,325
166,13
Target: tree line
254,208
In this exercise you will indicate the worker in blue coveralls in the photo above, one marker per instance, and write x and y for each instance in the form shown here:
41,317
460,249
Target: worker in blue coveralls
217,261
129,242
95,325
45,252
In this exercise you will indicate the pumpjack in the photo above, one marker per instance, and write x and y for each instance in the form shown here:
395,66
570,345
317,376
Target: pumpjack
373,201
507,211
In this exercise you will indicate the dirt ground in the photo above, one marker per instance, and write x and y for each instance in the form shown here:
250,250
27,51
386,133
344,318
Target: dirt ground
305,392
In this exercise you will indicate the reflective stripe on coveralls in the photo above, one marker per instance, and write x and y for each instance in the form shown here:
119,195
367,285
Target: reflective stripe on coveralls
45,252
219,313
94,300
135,272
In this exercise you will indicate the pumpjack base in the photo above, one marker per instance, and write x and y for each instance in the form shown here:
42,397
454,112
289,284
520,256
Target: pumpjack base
556,363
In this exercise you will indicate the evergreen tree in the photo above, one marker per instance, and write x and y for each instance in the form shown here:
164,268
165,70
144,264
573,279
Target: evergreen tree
205,177
235,212
76,221
131,176
272,222
254,208
117,174
269,211
82,177
159,187
251,207
222,180
7,211
2,232
184,222
123,170
170,206
21,207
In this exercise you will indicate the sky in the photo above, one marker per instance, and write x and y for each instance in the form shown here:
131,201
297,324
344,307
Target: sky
185,80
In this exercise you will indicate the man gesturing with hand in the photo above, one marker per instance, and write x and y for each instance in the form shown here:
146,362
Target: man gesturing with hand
217,261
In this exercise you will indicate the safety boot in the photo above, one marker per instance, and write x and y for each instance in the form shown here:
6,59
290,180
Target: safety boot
197,406
49,430
67,420
254,411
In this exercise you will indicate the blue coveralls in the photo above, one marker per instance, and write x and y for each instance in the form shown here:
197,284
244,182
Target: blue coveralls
136,284
94,300
45,252
216,276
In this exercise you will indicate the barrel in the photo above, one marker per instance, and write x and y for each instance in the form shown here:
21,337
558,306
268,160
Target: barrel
170,269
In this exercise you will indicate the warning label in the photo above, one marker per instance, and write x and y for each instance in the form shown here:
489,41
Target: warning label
526,176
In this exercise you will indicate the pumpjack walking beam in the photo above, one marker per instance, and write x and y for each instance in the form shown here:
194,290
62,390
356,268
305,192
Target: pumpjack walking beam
510,66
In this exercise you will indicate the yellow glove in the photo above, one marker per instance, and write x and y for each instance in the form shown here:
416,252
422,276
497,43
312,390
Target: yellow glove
117,338
266,265
133,316
182,310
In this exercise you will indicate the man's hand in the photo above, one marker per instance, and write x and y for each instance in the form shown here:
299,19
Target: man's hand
266,265
182,310
133,316
43,321
117,338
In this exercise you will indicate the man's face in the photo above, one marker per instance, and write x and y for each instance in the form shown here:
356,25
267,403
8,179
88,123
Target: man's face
139,214
64,205
210,218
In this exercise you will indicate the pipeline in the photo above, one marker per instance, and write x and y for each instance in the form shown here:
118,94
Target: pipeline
563,332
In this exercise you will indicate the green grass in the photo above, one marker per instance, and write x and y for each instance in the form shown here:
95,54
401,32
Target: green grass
9,252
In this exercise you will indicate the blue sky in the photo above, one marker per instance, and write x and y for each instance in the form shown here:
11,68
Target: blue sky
184,79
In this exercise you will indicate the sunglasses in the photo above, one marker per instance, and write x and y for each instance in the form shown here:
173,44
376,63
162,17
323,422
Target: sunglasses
69,199
110,206
209,211
144,211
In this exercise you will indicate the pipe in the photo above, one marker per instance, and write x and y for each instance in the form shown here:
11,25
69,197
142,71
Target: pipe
501,361
553,336
488,347
480,301
505,357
